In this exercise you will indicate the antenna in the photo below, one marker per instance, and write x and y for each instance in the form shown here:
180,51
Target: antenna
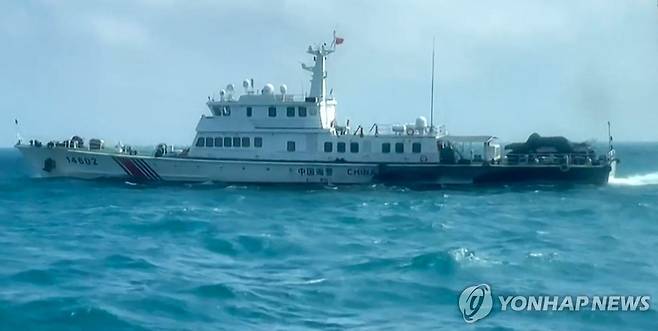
18,132
609,137
432,89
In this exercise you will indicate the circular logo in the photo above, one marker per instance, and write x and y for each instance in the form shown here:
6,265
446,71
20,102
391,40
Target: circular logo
475,302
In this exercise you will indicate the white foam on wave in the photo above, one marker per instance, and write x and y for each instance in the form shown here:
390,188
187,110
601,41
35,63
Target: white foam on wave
636,180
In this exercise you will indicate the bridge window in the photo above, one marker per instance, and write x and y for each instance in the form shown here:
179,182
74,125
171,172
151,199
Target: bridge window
290,111
236,141
415,148
386,148
200,142
340,147
249,111
245,142
354,147
302,111
258,142
228,142
271,112
328,147
218,142
399,148
217,110
210,142
290,146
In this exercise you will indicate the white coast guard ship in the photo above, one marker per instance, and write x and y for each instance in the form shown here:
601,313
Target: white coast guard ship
268,136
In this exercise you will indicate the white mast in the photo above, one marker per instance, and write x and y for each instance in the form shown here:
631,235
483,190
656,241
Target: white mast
319,74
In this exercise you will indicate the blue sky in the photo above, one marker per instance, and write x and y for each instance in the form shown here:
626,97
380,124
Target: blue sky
140,71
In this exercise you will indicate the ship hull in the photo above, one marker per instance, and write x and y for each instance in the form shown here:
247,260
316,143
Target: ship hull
74,163
495,174
84,164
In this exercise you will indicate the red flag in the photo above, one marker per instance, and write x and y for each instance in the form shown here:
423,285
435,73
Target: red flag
338,40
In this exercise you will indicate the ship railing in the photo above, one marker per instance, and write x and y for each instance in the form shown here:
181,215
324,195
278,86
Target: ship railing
562,159
216,97
399,129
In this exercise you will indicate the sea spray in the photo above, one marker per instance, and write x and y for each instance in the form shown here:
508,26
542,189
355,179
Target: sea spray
636,180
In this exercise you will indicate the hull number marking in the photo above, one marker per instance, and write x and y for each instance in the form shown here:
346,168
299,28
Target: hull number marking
82,160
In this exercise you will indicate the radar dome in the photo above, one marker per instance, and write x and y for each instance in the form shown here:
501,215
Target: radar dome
222,92
284,89
230,88
421,122
245,83
268,89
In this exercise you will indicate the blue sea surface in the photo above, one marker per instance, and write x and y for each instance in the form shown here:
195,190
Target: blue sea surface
85,255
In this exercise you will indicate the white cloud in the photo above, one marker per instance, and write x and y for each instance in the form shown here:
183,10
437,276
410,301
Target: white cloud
115,31
113,24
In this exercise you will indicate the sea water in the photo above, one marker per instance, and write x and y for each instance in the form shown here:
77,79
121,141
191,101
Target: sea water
85,255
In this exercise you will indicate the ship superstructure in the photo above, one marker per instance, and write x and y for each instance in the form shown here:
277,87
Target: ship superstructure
267,124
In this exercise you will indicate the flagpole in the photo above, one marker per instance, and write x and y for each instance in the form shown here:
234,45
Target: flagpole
333,41
18,132
432,89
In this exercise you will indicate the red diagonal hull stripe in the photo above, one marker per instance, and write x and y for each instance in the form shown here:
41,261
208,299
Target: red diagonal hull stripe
140,166
133,169
148,169
155,173
122,166
137,168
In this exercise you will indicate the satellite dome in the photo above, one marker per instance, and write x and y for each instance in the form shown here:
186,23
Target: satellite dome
222,92
421,122
268,89
284,89
230,88
245,83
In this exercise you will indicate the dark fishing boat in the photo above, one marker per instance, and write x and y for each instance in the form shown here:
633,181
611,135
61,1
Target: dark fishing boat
478,160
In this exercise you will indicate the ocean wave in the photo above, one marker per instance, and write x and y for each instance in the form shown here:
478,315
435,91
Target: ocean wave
118,261
220,246
35,276
214,291
176,225
373,264
636,180
61,313
444,263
